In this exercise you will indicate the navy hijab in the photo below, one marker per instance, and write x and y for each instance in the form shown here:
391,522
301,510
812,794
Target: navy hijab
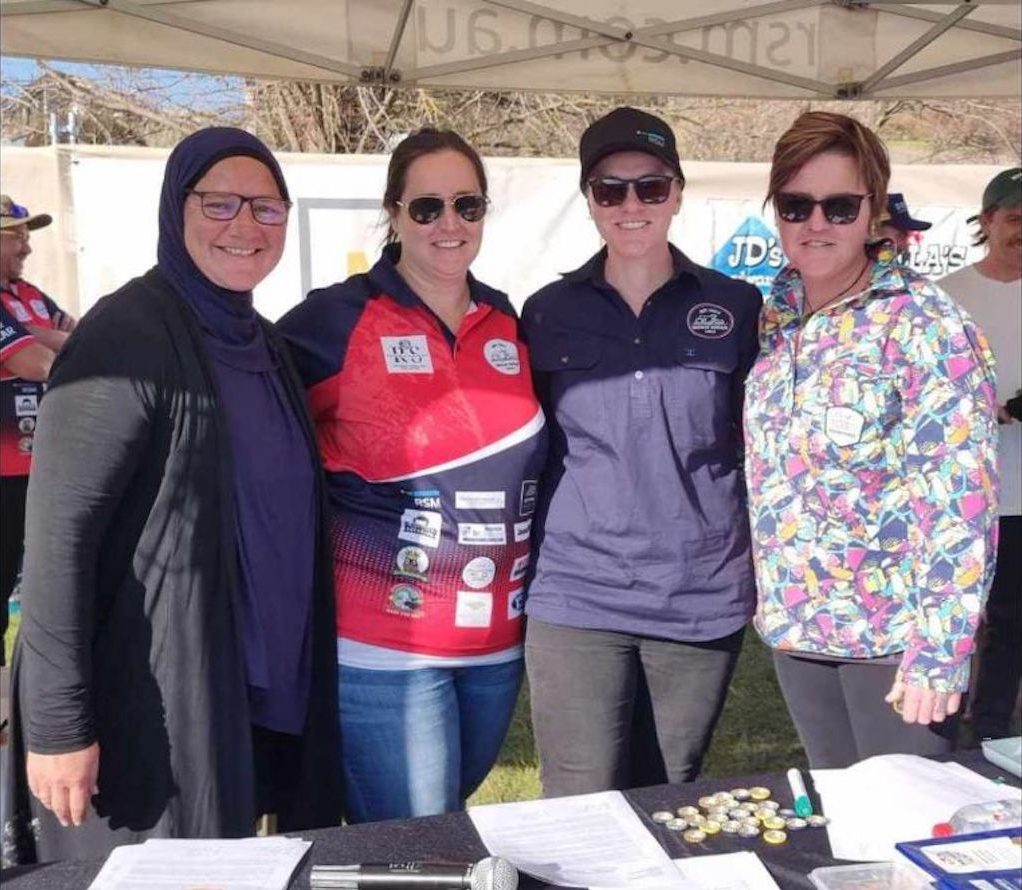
273,470
228,317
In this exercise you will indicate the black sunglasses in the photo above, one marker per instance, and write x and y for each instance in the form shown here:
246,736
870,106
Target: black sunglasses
841,210
224,206
428,208
609,191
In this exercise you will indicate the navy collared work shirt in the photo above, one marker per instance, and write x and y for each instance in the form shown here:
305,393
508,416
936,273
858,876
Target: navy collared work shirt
643,526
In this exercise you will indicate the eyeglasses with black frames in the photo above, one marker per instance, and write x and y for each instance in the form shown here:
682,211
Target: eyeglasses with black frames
840,210
427,209
225,206
610,191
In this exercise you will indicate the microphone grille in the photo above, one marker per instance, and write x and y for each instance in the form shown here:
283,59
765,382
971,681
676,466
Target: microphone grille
494,873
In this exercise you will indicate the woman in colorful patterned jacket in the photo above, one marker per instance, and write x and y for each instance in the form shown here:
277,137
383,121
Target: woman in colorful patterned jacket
871,441
432,439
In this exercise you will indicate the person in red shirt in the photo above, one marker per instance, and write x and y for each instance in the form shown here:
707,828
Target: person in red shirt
432,440
32,330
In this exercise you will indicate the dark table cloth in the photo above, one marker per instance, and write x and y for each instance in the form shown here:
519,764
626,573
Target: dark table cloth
452,837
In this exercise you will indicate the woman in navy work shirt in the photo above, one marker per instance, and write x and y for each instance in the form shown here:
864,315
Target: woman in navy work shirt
643,579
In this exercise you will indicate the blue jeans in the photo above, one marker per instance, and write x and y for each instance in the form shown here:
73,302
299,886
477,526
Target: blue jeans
419,742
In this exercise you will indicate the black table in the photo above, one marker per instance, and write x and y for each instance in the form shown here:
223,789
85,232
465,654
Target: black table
452,837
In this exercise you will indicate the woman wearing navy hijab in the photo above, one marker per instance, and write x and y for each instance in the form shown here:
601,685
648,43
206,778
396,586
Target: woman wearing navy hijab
175,673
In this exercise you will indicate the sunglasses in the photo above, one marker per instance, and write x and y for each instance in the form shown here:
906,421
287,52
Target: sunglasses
224,206
609,191
840,210
428,208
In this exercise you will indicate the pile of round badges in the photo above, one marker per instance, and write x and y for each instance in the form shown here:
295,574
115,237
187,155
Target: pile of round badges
747,812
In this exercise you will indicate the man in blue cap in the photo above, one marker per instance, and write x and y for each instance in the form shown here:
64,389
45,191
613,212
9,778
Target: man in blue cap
991,292
897,223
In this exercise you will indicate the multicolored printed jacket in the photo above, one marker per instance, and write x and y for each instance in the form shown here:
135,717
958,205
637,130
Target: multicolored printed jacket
871,442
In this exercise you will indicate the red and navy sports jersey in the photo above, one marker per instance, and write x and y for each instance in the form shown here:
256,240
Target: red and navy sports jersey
433,446
21,304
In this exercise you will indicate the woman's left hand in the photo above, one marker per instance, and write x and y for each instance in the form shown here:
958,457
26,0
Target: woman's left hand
922,705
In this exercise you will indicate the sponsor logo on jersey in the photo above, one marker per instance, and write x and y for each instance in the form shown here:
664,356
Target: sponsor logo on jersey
421,527
26,405
474,608
407,355
519,567
482,533
411,562
503,356
19,310
26,425
516,603
522,530
479,500
405,600
39,307
530,490
479,572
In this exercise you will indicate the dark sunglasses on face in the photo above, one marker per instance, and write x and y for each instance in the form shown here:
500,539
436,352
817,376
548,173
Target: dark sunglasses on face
224,206
609,191
840,210
428,208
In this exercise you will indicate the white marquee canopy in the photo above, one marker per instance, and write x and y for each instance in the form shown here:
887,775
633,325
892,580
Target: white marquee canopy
806,49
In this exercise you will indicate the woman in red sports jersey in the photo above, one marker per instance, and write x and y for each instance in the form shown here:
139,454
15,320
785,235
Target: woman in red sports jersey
432,439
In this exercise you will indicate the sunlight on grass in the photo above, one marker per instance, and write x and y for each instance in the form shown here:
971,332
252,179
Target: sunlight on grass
754,734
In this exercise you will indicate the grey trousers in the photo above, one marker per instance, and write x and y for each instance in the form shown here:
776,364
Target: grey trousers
841,717
601,700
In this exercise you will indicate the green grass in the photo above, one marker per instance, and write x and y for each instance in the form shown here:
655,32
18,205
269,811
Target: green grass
754,734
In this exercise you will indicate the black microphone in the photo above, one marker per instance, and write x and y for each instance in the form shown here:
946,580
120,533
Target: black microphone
491,873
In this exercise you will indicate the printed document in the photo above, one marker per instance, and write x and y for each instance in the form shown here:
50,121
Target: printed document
252,863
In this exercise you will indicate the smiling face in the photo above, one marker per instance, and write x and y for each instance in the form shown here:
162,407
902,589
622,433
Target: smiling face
444,249
633,230
239,253
14,249
825,253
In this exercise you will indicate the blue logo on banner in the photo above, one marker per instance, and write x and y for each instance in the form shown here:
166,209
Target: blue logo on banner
753,253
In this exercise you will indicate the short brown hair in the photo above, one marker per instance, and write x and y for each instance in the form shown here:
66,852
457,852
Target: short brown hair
816,132
426,141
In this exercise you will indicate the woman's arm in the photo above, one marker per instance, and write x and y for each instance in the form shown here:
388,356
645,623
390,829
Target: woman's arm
93,428
950,446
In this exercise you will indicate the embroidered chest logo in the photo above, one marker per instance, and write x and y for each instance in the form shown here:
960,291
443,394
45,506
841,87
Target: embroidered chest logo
503,356
710,321
407,355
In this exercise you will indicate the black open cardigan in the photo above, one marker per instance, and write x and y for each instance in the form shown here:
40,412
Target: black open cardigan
130,632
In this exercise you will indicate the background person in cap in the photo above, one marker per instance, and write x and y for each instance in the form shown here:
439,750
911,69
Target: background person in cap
898,225
32,330
643,574
991,292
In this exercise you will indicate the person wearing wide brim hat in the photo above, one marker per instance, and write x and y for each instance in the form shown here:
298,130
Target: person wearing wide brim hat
13,215
991,292
898,224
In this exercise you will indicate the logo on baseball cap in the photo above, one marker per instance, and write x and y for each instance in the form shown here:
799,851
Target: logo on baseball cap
627,129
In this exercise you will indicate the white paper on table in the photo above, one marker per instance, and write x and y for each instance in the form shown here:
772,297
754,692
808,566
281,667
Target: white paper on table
895,797
588,840
727,871
252,863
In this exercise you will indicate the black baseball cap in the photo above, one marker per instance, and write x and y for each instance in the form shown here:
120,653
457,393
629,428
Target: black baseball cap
627,129
898,216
